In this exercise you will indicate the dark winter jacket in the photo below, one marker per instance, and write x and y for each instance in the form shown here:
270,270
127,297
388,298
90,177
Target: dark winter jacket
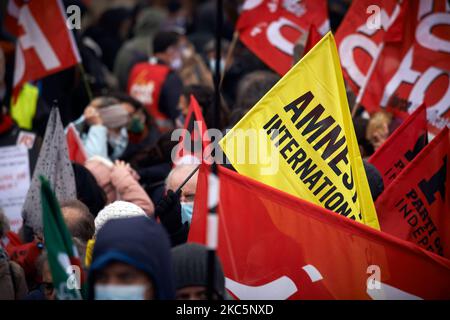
140,242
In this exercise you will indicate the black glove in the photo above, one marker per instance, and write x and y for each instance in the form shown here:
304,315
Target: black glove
169,211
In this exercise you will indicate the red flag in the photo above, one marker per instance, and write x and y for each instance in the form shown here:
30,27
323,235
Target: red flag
45,44
75,146
25,254
276,246
402,146
194,140
358,37
313,37
270,28
416,206
416,69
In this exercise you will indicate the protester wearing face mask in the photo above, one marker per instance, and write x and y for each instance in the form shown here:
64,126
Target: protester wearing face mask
174,180
103,127
195,71
156,83
210,50
142,131
139,268
175,209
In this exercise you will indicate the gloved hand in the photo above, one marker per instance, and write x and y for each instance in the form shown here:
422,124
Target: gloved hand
169,211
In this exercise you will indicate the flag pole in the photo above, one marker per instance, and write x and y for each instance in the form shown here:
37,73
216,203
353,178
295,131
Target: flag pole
212,229
187,179
85,81
361,92
212,224
229,54
357,104
217,76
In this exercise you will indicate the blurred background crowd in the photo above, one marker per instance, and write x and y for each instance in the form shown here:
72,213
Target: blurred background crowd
126,126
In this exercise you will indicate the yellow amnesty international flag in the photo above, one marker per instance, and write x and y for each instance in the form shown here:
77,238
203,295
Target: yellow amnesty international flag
304,127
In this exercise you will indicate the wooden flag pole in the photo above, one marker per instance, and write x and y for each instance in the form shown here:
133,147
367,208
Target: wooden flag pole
85,81
230,52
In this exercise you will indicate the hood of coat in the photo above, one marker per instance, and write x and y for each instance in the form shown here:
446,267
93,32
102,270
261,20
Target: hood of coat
147,248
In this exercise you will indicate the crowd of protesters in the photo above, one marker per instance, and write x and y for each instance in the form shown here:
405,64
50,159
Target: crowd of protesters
129,223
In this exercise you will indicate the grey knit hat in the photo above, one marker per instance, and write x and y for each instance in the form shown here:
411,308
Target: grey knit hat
189,262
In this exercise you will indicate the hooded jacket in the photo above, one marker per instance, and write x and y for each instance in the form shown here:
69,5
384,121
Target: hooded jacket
139,47
119,184
140,242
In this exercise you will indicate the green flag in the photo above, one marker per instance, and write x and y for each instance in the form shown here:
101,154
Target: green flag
63,257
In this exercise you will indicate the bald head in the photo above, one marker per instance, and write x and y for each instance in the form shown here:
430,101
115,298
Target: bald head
176,178
78,219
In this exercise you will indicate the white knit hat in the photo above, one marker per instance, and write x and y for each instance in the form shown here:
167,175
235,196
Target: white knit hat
117,210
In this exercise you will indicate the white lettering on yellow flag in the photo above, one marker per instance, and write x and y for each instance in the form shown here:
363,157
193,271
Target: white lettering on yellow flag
308,131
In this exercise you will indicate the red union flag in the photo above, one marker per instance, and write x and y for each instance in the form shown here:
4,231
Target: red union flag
402,146
416,206
270,28
275,246
415,67
360,36
45,45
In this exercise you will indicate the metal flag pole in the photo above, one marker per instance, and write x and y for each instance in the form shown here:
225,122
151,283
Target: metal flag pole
85,81
213,223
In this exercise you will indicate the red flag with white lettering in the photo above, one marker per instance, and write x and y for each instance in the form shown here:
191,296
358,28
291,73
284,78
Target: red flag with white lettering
276,246
45,43
416,205
271,28
402,146
359,36
414,68
75,146
194,140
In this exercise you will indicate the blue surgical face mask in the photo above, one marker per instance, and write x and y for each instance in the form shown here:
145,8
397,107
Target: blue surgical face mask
186,212
119,292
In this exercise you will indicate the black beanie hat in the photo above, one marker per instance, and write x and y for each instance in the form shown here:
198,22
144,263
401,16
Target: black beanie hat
189,262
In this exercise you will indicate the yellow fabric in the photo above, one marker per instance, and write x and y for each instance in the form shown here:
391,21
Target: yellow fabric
89,252
24,108
314,154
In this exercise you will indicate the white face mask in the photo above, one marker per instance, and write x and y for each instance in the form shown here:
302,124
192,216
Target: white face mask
119,292
176,63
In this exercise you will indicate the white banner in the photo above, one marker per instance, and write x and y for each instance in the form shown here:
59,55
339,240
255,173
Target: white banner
14,182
